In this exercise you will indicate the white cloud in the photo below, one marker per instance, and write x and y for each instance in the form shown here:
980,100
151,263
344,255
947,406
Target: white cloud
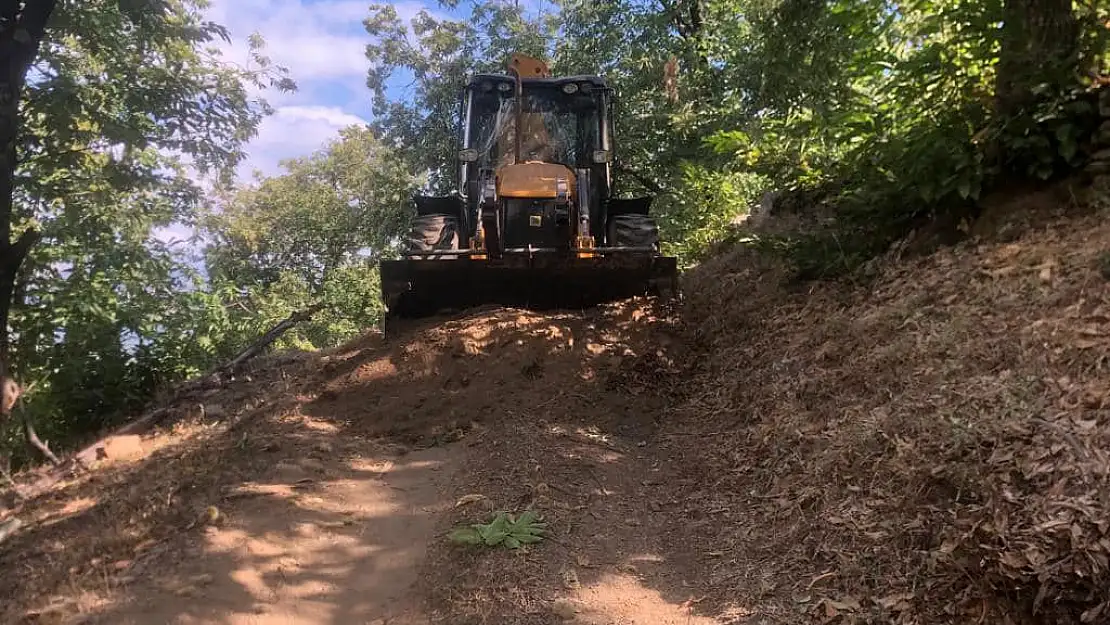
174,233
321,40
318,41
322,43
294,131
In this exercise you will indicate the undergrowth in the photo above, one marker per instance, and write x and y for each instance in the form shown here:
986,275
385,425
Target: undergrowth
932,180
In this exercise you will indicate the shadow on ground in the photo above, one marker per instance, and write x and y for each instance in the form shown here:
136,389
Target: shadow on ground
335,482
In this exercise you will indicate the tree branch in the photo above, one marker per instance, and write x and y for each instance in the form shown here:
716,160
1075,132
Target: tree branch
644,181
27,34
269,337
22,246
34,441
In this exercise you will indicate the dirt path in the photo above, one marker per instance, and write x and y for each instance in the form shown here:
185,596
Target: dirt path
619,553
319,543
337,478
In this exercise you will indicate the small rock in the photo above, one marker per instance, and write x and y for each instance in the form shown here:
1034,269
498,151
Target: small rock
1046,274
311,464
214,411
213,516
289,471
564,609
186,591
570,579
323,448
202,579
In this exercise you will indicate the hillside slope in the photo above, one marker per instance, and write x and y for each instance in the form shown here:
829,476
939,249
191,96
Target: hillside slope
926,446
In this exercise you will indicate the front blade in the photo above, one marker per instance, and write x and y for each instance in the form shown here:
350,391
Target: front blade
419,288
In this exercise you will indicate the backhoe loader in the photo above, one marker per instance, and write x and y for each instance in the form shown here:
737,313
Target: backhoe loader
532,221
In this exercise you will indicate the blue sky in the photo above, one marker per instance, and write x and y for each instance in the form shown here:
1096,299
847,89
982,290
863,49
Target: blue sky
322,43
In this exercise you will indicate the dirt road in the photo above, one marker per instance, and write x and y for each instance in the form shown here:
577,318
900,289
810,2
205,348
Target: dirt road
324,491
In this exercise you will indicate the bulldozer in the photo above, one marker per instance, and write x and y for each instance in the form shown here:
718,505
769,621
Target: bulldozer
532,221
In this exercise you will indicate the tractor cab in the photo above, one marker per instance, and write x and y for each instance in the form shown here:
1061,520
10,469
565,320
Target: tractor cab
537,142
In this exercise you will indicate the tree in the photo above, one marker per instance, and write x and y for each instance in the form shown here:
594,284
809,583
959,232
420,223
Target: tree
22,26
312,235
439,54
127,108
1039,52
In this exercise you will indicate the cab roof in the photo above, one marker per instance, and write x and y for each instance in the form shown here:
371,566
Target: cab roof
596,81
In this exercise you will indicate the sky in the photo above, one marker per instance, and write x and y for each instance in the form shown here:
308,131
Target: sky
322,44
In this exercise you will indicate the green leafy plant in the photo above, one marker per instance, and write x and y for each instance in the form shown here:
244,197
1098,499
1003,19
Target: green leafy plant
505,530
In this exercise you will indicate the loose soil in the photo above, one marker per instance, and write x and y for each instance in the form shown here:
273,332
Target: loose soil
320,488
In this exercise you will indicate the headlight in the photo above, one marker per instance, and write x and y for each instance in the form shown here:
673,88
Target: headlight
504,86
570,88
468,155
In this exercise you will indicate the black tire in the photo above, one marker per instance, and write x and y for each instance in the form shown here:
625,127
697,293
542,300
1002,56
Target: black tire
633,231
664,288
430,233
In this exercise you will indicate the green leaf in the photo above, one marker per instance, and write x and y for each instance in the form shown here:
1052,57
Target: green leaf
466,535
964,188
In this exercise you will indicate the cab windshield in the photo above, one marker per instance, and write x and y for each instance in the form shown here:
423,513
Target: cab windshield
556,127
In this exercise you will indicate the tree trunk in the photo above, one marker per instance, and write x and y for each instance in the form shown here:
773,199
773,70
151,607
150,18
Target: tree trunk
21,32
1040,46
